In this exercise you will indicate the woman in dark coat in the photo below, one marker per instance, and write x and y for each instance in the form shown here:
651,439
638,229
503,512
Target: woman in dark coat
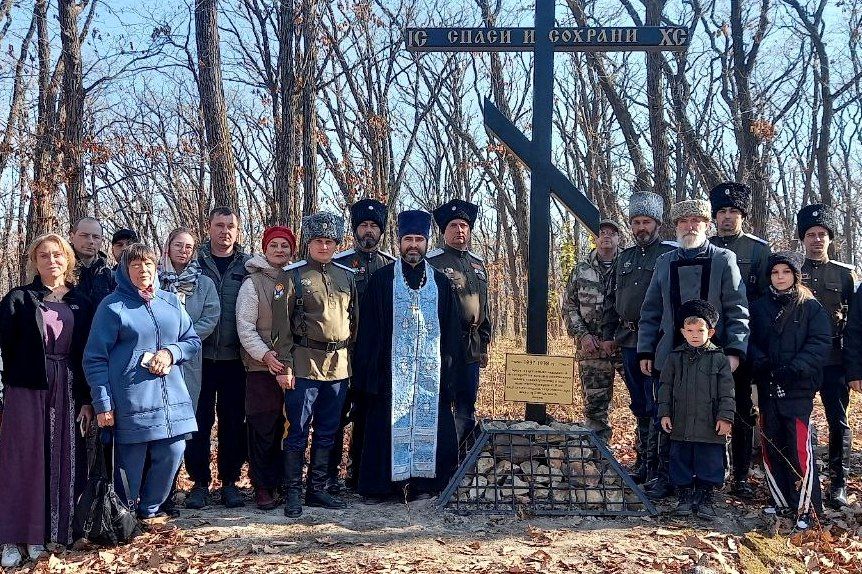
43,330
790,336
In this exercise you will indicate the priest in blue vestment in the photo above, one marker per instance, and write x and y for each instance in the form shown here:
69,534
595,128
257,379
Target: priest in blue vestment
408,360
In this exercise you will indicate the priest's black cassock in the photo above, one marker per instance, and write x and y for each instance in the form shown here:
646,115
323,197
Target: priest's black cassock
372,379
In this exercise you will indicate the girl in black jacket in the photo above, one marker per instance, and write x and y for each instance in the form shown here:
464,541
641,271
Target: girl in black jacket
790,335
43,330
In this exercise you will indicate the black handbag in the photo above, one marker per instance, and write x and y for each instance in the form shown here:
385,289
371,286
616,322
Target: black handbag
100,516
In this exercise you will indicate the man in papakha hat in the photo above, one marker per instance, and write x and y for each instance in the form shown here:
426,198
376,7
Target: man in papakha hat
466,270
832,283
731,202
409,363
627,285
314,322
368,222
696,269
582,311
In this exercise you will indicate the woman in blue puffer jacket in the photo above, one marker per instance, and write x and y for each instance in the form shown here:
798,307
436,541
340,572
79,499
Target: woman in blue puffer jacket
139,332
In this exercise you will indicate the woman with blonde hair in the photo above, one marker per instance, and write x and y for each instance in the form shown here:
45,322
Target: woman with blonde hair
43,330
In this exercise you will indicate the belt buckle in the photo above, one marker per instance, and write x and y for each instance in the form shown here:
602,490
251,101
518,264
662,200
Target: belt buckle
331,346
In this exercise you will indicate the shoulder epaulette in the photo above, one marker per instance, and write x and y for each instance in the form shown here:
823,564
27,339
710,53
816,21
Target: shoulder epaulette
671,243
479,257
434,253
386,255
345,253
842,264
295,265
344,267
756,238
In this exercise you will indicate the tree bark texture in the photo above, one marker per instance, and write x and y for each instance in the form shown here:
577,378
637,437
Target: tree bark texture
219,149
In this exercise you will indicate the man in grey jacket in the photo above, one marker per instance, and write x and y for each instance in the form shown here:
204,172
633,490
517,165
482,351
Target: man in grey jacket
697,269
223,382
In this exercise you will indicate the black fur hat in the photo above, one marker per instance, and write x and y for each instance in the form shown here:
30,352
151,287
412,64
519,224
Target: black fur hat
698,308
730,194
456,209
817,214
368,210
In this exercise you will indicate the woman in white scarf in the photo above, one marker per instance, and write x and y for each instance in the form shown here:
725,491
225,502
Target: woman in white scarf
180,273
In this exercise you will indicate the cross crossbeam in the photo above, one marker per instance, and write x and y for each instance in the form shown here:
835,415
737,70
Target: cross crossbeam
545,178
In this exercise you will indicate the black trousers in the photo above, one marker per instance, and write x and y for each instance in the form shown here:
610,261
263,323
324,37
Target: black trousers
222,394
835,395
265,464
791,470
743,425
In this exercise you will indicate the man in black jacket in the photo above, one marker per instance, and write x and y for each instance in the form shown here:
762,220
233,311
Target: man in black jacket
832,283
95,278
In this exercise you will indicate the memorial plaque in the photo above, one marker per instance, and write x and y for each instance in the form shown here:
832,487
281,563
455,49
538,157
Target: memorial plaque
540,379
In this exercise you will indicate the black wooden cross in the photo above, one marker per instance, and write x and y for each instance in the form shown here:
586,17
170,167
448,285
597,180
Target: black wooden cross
545,178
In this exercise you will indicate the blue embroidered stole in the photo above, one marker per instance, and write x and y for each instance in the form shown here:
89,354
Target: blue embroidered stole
415,377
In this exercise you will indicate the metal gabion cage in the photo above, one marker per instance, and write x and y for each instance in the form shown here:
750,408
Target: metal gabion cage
554,470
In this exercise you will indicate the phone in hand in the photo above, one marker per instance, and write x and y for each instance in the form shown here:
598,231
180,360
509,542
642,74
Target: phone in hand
145,361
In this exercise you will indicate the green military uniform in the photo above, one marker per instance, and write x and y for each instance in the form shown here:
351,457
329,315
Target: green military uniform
364,264
627,287
313,338
469,278
582,310
832,283
751,255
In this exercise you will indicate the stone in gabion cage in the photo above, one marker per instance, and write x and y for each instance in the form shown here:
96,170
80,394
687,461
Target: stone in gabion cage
554,469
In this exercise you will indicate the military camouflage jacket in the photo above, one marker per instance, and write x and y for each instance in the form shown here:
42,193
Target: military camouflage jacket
466,271
751,255
364,264
313,338
585,297
627,286
832,283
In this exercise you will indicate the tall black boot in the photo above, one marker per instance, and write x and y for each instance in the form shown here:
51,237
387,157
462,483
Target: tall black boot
662,488
315,493
293,460
651,453
840,444
333,483
639,471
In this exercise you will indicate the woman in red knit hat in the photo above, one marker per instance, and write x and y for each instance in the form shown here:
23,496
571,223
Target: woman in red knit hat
263,397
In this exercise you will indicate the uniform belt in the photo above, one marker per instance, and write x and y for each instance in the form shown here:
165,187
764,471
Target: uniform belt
52,357
328,346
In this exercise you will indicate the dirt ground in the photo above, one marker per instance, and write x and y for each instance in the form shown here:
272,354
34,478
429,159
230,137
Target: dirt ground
415,537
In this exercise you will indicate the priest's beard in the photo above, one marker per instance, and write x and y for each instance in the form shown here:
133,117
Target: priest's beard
691,239
413,255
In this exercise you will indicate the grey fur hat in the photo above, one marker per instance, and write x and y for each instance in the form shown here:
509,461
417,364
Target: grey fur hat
646,203
689,208
323,224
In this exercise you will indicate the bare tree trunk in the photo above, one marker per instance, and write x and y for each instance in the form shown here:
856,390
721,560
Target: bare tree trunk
40,217
211,90
285,126
73,108
309,106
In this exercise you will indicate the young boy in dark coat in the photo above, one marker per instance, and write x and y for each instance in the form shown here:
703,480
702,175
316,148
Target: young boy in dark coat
791,337
696,406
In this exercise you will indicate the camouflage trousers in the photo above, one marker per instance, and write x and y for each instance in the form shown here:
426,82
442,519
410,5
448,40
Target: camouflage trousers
597,385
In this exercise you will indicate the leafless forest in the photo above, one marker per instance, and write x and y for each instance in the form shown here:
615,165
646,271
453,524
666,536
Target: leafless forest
146,114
